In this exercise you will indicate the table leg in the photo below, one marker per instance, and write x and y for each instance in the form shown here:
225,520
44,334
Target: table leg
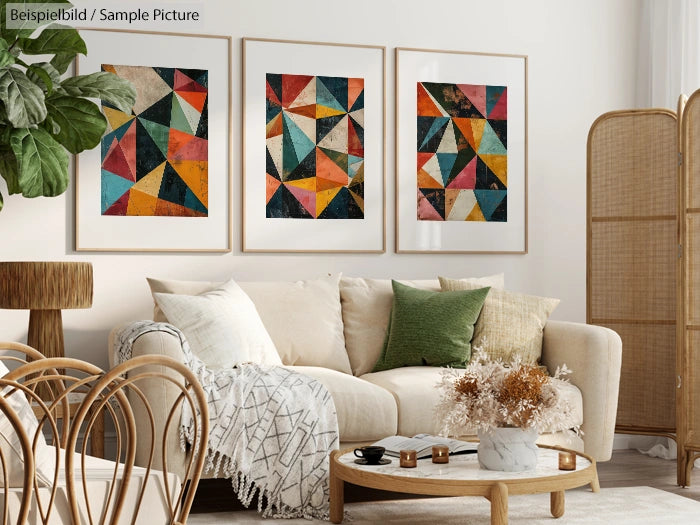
337,495
499,504
595,484
556,503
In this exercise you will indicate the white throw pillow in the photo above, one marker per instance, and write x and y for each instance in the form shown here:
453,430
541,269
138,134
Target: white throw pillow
222,326
303,318
11,444
366,311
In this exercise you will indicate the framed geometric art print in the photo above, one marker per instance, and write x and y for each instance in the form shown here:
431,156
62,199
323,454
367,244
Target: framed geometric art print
313,147
160,179
461,179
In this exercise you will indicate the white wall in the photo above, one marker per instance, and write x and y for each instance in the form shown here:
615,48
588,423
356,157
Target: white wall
581,64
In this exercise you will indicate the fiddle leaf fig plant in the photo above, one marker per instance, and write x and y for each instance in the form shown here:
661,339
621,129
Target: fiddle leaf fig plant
43,116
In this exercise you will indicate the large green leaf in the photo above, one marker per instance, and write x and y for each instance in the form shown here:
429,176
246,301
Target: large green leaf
23,99
9,170
6,58
81,122
103,85
52,40
44,75
25,28
42,162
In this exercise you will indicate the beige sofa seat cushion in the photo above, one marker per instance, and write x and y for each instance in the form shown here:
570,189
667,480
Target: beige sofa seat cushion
303,318
366,311
366,412
416,394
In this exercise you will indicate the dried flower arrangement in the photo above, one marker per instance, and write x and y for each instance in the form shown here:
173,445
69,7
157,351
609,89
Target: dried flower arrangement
490,393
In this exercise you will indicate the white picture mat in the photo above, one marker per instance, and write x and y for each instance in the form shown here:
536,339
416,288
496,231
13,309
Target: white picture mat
212,233
459,68
263,234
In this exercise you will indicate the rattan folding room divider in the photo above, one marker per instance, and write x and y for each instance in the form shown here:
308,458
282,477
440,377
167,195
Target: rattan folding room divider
643,265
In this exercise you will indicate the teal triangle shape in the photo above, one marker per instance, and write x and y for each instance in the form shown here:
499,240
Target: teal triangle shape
493,95
489,200
159,133
490,143
289,156
303,145
193,203
437,125
112,188
325,98
446,161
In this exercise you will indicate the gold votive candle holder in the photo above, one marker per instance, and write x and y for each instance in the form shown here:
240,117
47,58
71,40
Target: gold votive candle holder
567,461
441,454
407,458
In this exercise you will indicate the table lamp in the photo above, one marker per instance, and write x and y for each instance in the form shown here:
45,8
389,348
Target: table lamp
45,288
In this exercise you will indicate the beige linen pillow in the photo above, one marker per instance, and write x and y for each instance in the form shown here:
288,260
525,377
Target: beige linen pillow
510,323
222,326
10,442
303,318
366,311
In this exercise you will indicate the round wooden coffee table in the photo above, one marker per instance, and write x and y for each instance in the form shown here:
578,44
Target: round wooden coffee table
462,476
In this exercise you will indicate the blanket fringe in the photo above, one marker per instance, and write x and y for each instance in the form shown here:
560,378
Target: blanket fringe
244,487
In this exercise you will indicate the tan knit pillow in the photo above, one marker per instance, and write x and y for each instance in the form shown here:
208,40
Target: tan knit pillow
510,323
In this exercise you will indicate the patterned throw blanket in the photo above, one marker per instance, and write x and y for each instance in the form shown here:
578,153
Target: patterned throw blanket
271,429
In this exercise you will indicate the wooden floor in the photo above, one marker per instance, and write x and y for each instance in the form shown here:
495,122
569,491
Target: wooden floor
627,468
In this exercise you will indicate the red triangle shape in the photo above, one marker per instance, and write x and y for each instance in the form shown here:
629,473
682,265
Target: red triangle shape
120,207
116,163
354,144
500,110
181,80
292,86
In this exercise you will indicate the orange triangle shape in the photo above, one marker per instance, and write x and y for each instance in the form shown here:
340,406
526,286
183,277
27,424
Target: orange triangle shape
426,106
476,214
478,131
141,204
355,87
109,68
325,184
271,185
176,140
426,181
194,98
329,170
275,127
465,126
306,111
170,209
195,173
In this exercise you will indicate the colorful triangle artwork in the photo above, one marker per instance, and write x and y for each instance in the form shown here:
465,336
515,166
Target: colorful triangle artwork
160,151
462,168
317,144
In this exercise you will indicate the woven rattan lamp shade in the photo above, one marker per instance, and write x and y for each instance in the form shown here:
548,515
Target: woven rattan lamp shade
45,288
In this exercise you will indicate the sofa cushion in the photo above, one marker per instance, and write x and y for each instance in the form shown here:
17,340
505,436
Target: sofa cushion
510,323
416,393
222,326
288,310
366,412
366,311
430,328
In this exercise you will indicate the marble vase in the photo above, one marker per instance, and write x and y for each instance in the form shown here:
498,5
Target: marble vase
508,449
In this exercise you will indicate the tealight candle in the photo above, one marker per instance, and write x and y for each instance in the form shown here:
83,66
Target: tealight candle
407,458
567,461
441,454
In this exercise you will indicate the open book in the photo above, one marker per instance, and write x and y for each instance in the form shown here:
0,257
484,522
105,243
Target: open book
423,445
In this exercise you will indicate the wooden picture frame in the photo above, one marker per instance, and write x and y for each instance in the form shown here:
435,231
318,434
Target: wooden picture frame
461,152
164,184
317,182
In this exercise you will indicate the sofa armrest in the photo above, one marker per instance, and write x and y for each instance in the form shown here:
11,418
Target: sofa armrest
161,396
594,354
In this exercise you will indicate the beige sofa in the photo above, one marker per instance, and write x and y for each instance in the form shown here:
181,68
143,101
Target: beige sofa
333,329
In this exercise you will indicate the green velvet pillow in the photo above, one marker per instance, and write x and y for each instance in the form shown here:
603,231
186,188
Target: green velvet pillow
430,328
